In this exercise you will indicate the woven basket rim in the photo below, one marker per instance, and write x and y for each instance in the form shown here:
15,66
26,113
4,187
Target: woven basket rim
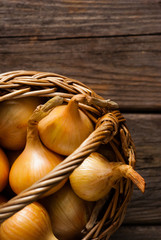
22,83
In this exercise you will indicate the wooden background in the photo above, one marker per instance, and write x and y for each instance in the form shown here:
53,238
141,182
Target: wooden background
115,48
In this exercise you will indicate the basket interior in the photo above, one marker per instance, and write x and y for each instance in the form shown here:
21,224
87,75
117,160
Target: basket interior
108,213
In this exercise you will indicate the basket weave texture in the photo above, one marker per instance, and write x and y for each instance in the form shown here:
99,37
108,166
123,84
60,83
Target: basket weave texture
108,213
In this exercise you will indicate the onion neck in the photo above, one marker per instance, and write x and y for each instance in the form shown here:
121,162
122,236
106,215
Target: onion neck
117,170
40,112
124,170
32,135
72,108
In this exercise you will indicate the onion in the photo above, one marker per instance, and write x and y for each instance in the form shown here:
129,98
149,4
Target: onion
13,122
68,213
65,128
35,161
12,155
30,223
96,176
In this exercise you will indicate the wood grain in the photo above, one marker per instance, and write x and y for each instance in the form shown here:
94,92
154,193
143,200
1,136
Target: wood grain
115,48
125,69
145,130
69,18
138,233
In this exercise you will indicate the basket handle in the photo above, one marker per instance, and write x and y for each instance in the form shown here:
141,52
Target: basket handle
106,129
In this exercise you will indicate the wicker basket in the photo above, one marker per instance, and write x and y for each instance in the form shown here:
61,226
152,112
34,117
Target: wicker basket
108,213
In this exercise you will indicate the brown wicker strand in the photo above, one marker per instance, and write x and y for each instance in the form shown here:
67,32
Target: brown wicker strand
63,170
108,213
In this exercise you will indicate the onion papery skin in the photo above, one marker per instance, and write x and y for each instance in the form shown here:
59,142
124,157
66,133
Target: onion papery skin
30,223
94,178
13,123
65,128
33,164
68,213
4,170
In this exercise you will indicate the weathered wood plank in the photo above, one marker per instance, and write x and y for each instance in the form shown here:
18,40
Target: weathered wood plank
138,233
74,38
146,131
68,18
125,69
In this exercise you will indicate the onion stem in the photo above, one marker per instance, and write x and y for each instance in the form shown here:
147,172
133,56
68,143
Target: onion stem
43,110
